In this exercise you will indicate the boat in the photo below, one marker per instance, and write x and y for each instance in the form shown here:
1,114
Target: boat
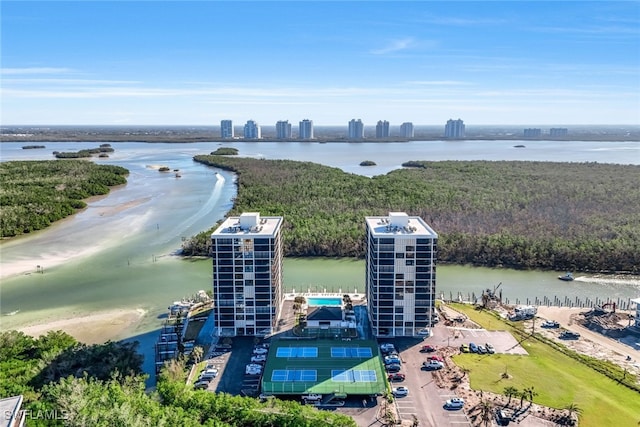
567,277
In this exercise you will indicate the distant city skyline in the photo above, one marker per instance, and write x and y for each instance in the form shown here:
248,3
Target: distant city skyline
180,63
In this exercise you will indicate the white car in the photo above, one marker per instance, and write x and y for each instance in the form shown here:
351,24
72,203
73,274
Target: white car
253,371
432,365
209,373
400,391
425,332
455,403
257,359
260,350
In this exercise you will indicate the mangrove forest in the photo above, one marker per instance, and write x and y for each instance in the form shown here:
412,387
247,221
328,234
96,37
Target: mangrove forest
560,216
34,194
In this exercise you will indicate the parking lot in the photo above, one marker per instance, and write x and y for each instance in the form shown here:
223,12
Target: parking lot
425,399
230,363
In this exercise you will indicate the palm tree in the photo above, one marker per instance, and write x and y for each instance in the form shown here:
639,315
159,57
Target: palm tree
510,392
573,409
197,354
531,393
486,407
523,395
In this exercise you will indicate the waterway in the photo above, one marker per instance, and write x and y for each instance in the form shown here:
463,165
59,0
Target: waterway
120,251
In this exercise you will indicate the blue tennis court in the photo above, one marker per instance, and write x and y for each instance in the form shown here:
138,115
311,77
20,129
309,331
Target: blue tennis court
286,375
354,375
297,352
351,352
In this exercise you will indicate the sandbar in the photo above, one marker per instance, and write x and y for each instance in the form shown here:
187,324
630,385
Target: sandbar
94,328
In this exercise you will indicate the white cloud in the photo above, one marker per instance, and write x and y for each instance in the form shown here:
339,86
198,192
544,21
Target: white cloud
395,46
438,83
34,70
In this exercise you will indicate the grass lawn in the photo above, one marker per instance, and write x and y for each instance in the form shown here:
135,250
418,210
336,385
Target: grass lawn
558,379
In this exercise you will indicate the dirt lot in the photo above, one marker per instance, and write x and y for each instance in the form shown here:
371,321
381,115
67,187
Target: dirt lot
591,343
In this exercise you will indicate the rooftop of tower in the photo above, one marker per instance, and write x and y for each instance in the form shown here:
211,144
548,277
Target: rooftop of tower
399,224
248,224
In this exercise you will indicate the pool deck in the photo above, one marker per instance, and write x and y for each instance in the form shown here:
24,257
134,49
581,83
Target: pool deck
354,296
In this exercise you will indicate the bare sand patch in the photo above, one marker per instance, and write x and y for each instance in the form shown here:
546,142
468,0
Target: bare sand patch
91,329
114,210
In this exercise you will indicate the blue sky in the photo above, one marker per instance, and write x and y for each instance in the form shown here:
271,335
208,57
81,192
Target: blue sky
195,63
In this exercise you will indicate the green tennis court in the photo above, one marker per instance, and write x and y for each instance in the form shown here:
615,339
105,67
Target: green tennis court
324,367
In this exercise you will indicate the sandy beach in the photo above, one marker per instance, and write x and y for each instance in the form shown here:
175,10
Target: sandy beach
92,329
65,253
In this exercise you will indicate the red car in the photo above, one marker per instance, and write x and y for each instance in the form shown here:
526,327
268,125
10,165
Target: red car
436,358
427,349
396,377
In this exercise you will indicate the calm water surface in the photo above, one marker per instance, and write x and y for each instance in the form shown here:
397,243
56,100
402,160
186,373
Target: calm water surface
118,253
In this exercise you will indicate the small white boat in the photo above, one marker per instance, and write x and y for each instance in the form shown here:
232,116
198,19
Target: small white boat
568,277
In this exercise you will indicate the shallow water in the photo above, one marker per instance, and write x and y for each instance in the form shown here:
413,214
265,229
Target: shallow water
117,253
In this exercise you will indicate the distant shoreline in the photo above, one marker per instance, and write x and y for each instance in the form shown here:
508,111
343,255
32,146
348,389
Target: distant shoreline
322,134
177,139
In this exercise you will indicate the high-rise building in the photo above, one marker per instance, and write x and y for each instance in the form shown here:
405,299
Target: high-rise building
406,130
532,133
558,132
306,129
400,274
356,129
382,129
247,274
454,129
226,129
252,130
283,129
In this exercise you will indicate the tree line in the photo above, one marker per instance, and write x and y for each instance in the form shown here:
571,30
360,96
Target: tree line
33,194
560,216
72,384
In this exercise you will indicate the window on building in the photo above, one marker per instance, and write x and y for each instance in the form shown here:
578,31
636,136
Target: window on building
247,245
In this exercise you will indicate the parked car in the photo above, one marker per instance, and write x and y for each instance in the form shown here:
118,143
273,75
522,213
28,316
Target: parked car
482,349
436,358
502,418
394,367
432,365
473,348
204,380
464,348
387,348
253,371
424,332
201,385
259,358
400,391
396,377
260,350
209,373
388,360
455,403
550,324
569,335
427,349
490,348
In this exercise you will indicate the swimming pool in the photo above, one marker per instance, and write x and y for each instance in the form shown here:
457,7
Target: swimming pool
333,302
